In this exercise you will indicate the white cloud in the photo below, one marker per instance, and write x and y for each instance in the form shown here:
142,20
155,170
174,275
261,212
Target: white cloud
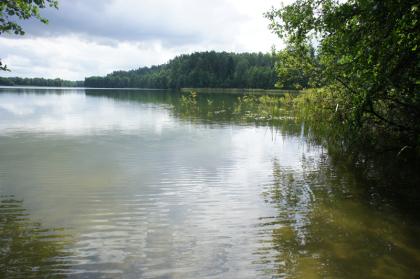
73,58
93,37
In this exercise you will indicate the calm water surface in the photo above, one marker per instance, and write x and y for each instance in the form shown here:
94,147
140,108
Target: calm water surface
132,184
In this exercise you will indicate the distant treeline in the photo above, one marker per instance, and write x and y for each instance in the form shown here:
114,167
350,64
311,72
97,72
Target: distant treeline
200,69
17,81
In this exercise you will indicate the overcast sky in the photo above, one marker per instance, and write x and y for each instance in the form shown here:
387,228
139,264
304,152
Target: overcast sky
95,37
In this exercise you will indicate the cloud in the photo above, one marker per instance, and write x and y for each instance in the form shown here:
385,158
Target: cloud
172,22
73,58
95,37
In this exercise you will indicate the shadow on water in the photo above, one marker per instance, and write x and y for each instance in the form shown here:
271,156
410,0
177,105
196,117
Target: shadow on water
27,249
140,96
329,225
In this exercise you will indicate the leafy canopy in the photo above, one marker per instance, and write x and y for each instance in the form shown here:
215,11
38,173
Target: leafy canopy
366,49
11,11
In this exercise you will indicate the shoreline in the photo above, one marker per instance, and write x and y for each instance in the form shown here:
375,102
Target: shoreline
207,90
255,91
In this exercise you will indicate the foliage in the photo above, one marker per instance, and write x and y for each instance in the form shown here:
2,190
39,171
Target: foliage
260,108
3,67
200,69
295,68
263,110
189,101
11,11
366,53
12,81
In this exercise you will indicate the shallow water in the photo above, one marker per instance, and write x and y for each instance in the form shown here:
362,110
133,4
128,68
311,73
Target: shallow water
134,184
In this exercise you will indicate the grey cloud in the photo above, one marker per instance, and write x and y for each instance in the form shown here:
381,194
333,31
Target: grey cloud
95,37
171,22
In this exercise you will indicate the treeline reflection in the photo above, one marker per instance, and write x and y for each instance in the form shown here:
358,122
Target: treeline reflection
27,248
328,224
388,175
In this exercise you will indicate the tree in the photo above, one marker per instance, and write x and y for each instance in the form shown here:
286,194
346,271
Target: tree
12,11
366,49
200,69
293,69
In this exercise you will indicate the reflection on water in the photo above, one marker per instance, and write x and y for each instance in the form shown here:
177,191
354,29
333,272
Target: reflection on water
76,114
326,226
150,188
29,250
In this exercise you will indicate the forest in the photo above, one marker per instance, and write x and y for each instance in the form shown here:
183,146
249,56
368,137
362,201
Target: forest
18,81
208,69
199,69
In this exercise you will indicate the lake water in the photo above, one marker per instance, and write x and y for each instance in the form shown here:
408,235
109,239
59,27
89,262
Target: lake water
137,184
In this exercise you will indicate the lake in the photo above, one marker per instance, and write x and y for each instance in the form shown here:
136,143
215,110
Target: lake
152,184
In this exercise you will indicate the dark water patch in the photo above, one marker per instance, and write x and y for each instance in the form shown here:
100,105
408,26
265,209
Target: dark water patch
28,249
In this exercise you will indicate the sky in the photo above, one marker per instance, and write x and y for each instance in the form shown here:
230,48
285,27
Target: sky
95,37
